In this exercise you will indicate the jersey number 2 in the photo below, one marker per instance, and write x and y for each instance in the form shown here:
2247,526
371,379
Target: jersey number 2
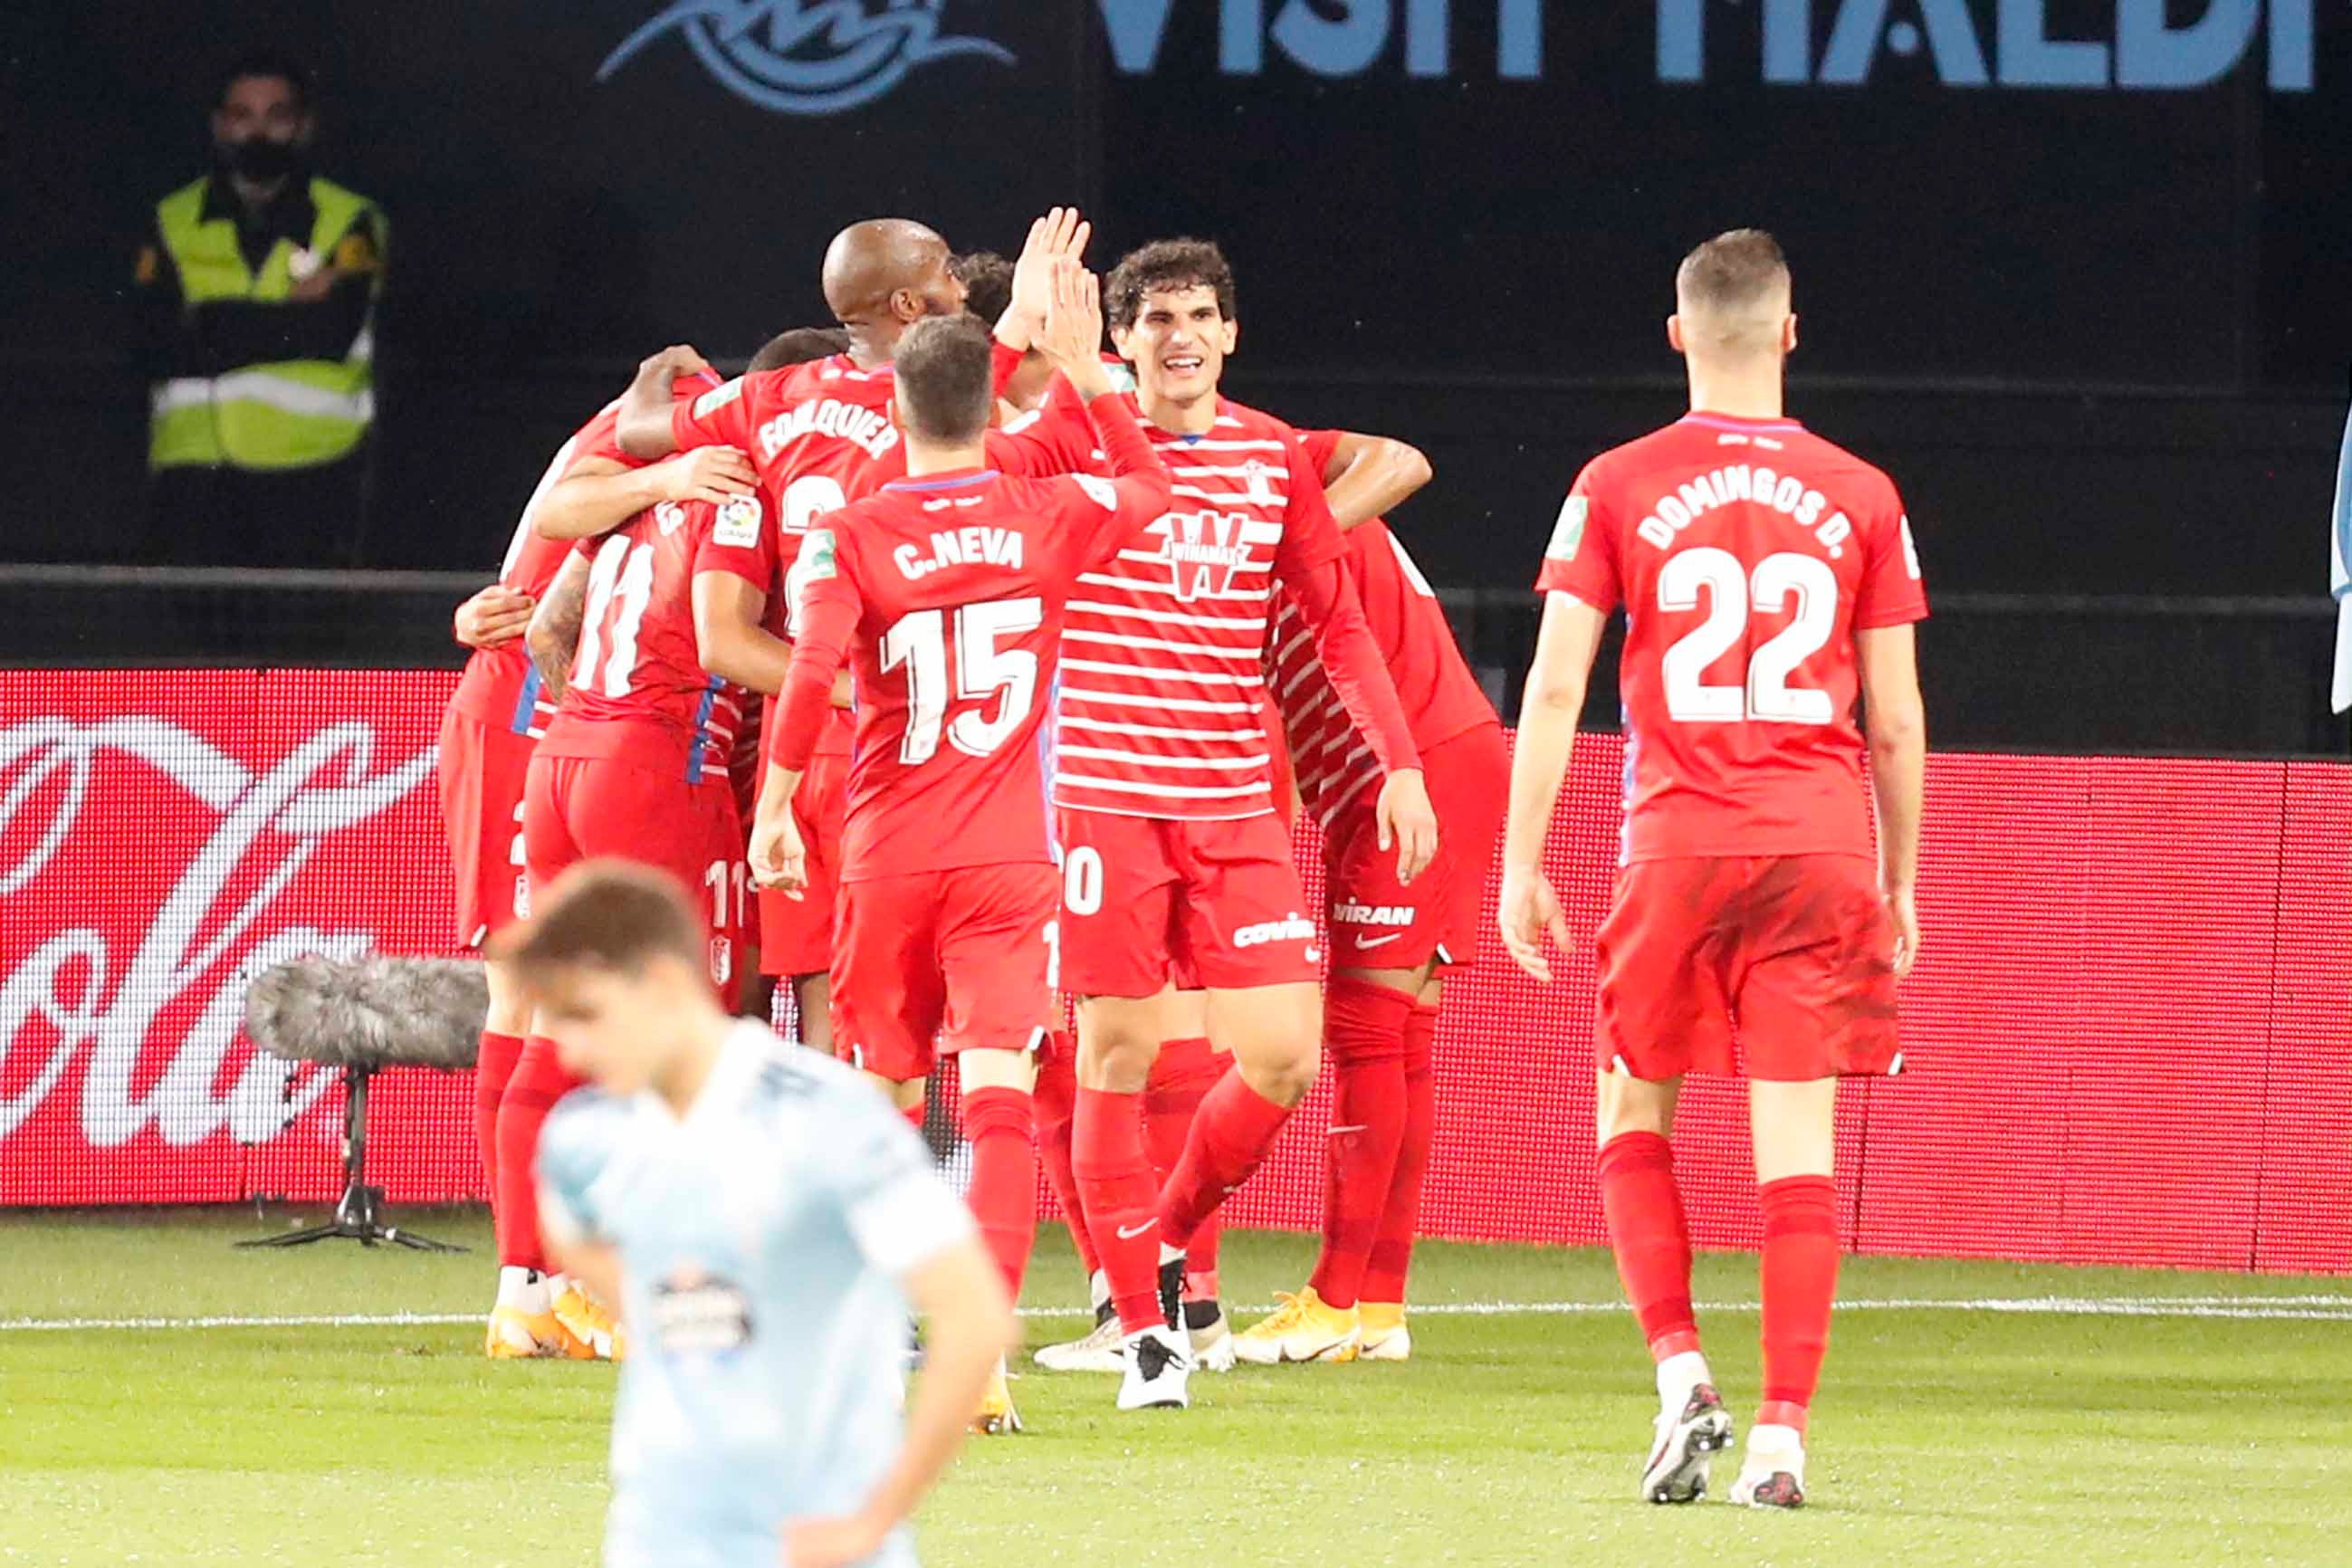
919,641
1767,694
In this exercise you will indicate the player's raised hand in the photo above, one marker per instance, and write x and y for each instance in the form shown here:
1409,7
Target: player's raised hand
779,858
1073,334
1902,909
713,474
1407,822
678,359
832,1542
1528,912
1061,232
493,617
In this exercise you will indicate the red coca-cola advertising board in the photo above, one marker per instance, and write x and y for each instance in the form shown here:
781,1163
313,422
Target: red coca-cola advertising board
2129,1039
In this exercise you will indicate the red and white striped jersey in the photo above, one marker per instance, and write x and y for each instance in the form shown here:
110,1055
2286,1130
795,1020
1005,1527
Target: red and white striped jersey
1439,696
1162,679
639,693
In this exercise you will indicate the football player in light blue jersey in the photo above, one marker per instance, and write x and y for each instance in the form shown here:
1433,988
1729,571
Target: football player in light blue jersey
763,1217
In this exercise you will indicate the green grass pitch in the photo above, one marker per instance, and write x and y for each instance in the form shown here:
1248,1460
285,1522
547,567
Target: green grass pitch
2193,1419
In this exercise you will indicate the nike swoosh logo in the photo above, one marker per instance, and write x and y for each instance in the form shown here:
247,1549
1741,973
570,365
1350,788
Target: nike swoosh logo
1128,1233
1379,941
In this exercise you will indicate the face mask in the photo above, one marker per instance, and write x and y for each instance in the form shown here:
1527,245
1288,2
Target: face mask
261,158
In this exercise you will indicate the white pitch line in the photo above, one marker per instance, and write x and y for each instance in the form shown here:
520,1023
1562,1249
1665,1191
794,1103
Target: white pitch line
2271,1309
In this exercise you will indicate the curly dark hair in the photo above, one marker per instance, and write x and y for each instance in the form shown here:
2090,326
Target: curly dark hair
987,279
1162,265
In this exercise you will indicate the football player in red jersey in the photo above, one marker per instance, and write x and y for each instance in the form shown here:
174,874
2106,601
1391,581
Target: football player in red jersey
501,707
821,435
945,594
1391,942
1769,577
1171,850
634,764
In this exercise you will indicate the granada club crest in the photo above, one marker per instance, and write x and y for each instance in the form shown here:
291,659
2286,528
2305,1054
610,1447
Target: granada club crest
1204,549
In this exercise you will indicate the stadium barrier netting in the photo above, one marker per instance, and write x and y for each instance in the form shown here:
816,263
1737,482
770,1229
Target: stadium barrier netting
2129,1040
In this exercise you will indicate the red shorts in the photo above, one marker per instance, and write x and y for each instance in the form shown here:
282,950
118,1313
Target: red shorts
1779,968
943,960
579,809
481,771
1216,904
1378,924
796,934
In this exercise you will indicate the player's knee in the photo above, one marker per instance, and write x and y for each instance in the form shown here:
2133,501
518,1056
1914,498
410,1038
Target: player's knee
1283,1077
509,1010
1119,1063
1634,1105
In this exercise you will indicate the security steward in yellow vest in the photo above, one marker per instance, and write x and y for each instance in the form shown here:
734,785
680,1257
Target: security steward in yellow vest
257,288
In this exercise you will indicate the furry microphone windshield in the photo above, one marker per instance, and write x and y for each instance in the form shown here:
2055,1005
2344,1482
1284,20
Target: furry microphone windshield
371,1012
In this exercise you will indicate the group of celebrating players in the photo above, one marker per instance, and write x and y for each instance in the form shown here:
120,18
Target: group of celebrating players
969,679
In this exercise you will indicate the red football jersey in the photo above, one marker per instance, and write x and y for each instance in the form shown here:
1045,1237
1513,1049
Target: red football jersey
1747,553
950,592
639,692
1162,682
1440,696
500,685
821,435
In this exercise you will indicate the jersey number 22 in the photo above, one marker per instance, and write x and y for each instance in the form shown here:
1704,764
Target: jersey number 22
1766,695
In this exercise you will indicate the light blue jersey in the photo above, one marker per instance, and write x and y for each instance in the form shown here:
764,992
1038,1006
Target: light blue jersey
760,1239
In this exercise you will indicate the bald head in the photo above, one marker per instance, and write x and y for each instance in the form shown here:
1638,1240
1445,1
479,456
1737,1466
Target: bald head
1731,296
885,269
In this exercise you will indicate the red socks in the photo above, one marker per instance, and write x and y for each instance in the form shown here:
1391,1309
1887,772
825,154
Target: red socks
1799,1282
1363,1027
537,1082
1182,1075
1057,1104
493,1065
1647,1233
1391,1259
1115,1186
998,1125
1235,1128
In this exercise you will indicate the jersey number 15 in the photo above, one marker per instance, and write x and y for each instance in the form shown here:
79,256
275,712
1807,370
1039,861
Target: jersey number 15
919,642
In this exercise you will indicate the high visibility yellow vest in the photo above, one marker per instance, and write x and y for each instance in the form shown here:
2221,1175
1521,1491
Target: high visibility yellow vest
292,413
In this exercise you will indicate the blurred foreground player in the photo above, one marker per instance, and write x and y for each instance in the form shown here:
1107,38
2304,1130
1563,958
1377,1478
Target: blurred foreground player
1390,941
945,592
1766,575
766,1221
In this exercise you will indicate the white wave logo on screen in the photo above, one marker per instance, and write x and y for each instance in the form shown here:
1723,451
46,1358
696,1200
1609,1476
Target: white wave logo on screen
807,57
321,787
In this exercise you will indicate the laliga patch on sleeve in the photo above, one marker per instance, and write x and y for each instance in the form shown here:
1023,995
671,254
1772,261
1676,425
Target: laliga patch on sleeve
1568,532
738,525
816,555
710,402
1099,491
